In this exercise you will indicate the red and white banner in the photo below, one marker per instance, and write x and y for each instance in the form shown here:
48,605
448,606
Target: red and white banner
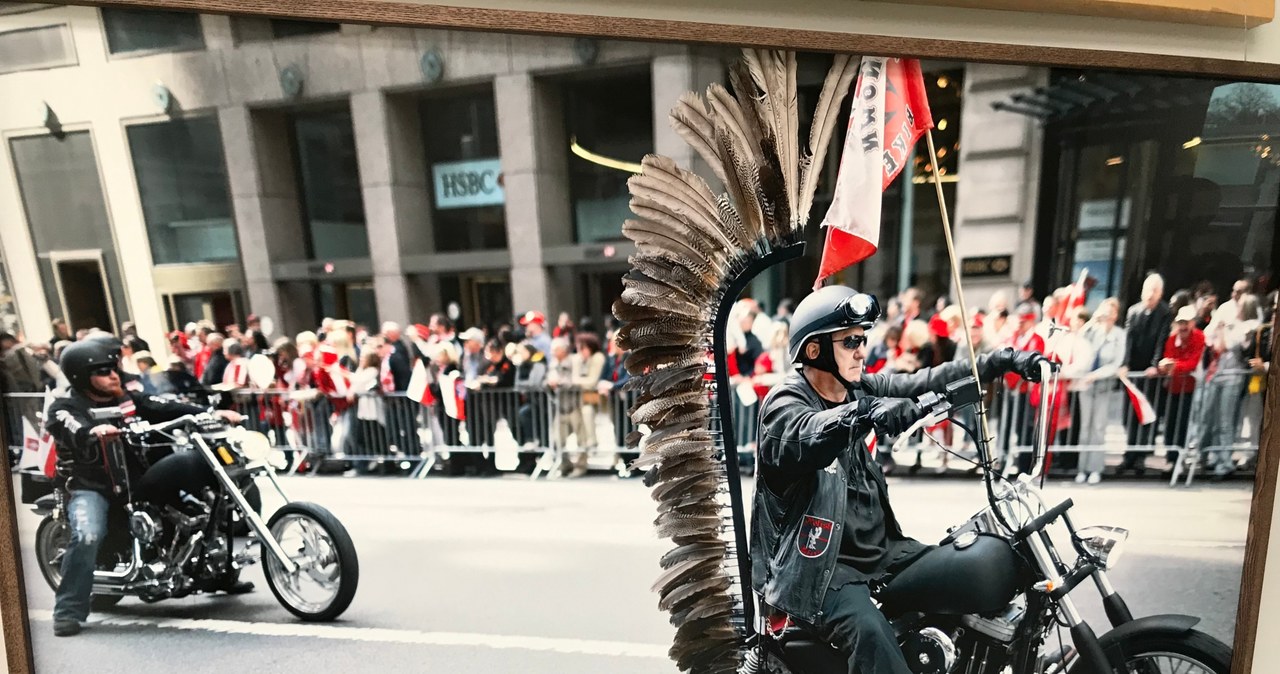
419,389
1142,406
890,113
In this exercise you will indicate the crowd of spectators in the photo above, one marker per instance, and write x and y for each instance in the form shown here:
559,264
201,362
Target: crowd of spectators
1168,348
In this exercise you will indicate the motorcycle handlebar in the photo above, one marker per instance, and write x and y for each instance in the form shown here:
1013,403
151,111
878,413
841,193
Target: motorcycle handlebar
148,427
1043,520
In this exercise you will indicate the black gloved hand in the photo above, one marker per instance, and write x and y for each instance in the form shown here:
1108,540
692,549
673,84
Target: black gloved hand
892,416
1025,363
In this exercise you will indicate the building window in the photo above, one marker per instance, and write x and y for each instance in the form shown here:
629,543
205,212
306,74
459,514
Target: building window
329,178
67,215
612,118
134,30
35,48
348,300
182,181
484,298
460,138
291,28
8,306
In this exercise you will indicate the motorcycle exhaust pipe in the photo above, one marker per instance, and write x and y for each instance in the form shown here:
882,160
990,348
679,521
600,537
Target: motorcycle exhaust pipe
121,577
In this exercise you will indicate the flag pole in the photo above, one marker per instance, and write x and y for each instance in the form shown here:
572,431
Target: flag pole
955,279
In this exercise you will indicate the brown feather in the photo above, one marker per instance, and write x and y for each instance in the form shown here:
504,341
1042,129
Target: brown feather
834,89
690,121
679,593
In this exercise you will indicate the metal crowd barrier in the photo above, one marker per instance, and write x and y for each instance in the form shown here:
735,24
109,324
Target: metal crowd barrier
549,431
1213,423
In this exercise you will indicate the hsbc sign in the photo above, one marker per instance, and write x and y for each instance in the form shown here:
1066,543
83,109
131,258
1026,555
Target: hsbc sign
468,184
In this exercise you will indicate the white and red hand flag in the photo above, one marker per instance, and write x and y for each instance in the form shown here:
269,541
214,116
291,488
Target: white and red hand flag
37,451
453,391
1079,291
419,389
1146,413
890,113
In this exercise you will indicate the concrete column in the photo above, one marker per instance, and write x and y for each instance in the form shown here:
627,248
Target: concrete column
999,169
393,179
267,210
673,75
124,207
536,179
218,31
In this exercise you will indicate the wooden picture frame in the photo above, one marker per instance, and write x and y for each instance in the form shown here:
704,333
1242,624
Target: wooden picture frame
13,603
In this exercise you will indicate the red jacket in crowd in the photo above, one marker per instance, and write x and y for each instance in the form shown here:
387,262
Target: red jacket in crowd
1186,356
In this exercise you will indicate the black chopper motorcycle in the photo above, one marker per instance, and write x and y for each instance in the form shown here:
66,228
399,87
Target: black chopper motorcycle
191,522
994,595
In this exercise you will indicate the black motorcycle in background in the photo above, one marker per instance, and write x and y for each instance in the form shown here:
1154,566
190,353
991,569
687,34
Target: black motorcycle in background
994,595
190,523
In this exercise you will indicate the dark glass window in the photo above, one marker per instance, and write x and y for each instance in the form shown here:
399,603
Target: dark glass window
353,301
329,181
612,118
182,180
35,48
66,211
130,30
290,28
460,135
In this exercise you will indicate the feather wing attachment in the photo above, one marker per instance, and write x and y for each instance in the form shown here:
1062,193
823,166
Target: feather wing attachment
692,242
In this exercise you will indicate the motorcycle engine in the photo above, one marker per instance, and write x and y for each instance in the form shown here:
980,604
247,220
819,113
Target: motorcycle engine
929,651
144,527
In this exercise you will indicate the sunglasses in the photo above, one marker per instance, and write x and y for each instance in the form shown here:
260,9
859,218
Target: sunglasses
852,342
102,372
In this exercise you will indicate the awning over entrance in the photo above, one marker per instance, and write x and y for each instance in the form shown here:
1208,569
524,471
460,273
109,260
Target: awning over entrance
1072,94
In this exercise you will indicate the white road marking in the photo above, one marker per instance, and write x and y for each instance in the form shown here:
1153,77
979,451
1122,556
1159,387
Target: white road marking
383,635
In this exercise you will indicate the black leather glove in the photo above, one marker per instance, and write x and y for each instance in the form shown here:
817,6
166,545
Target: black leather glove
1025,363
892,416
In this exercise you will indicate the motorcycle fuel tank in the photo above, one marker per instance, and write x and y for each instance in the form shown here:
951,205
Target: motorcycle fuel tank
975,573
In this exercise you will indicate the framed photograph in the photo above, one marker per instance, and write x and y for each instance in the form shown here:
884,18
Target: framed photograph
368,335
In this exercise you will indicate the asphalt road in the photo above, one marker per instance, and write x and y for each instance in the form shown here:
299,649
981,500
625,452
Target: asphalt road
505,575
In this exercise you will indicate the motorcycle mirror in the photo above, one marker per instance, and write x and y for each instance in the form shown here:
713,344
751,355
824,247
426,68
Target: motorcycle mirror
262,372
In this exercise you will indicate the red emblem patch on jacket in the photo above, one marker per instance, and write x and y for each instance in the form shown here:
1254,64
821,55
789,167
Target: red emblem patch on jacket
815,536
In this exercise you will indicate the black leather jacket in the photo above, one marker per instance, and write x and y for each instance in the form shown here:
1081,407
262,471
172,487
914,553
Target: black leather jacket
80,456
804,459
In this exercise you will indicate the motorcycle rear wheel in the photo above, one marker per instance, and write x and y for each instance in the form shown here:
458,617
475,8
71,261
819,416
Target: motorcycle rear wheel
328,568
52,538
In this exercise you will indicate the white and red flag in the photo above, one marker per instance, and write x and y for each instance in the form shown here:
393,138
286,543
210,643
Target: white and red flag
1146,413
419,389
890,113
37,450
454,405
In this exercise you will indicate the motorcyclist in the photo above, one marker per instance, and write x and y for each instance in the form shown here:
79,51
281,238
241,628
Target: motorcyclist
822,527
92,368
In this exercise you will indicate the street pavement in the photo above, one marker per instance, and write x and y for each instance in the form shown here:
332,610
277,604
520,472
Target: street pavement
506,575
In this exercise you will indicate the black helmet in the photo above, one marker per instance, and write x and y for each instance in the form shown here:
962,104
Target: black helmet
830,309
110,340
81,358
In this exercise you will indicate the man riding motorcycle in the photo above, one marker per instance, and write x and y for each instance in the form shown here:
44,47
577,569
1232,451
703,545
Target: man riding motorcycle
822,527
92,367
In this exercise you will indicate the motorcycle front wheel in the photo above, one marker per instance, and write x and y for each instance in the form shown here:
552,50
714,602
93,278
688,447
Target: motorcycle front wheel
328,570
52,538
1192,652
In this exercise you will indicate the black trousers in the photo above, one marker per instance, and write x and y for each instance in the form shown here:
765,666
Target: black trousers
850,621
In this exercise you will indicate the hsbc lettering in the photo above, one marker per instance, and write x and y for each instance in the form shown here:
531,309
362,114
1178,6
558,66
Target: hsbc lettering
468,184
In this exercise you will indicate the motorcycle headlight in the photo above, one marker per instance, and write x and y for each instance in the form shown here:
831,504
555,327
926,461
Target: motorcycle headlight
1102,545
254,446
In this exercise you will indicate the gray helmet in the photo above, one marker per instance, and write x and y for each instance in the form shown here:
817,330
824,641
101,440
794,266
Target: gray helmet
830,309
81,358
